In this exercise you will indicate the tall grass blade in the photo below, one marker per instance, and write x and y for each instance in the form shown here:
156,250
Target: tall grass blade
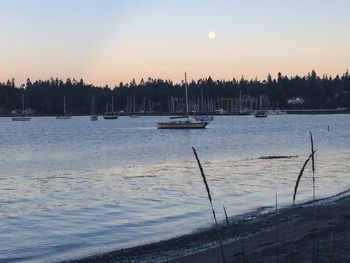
210,199
313,164
300,175
277,234
227,221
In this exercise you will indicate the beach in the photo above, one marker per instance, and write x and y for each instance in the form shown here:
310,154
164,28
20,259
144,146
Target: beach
316,231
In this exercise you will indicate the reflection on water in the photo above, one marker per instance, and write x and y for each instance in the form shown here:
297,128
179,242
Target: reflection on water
72,188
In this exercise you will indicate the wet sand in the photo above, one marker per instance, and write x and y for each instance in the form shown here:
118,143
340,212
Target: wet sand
311,232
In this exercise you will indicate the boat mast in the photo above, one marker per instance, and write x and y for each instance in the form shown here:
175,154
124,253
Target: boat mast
23,103
240,101
92,105
202,101
64,105
112,105
186,94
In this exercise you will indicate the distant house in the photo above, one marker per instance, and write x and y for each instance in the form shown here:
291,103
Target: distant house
296,101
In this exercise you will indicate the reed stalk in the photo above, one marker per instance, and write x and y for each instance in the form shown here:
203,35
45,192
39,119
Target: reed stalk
227,221
313,164
300,175
277,234
210,201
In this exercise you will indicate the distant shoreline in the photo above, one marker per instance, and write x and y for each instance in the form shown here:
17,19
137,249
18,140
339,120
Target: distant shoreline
319,229
289,112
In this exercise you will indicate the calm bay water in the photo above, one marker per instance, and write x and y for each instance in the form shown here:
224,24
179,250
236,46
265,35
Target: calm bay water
72,188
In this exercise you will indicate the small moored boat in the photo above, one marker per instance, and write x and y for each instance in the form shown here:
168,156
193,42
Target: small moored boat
93,116
21,117
110,115
64,116
261,114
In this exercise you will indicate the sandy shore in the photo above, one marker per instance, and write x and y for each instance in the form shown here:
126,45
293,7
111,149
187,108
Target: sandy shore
311,232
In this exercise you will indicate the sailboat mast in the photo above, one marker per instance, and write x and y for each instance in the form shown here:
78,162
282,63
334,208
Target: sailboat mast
202,100
240,101
186,93
23,103
112,105
95,106
64,105
92,105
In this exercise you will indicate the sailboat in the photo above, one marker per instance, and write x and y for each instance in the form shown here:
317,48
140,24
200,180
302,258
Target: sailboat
183,122
93,116
64,116
241,111
22,117
110,115
261,113
203,116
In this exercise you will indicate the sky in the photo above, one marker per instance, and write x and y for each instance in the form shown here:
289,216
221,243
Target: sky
112,41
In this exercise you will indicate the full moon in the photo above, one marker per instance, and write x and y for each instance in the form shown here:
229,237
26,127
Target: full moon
211,35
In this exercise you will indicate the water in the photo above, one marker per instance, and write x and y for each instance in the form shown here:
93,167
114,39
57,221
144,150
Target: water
72,188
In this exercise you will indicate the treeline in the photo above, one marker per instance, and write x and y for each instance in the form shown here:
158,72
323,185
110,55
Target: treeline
46,96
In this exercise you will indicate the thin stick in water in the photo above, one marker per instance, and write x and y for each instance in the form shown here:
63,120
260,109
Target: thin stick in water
300,175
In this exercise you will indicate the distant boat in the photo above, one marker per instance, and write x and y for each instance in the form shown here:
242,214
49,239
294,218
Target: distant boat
93,116
261,114
182,124
186,122
242,111
64,116
22,117
110,115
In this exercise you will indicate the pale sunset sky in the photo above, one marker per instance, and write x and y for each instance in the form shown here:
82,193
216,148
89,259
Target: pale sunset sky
109,41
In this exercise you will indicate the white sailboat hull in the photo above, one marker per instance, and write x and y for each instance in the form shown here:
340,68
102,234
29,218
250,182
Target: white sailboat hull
182,125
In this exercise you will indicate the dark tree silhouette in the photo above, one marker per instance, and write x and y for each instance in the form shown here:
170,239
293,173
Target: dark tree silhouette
206,94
